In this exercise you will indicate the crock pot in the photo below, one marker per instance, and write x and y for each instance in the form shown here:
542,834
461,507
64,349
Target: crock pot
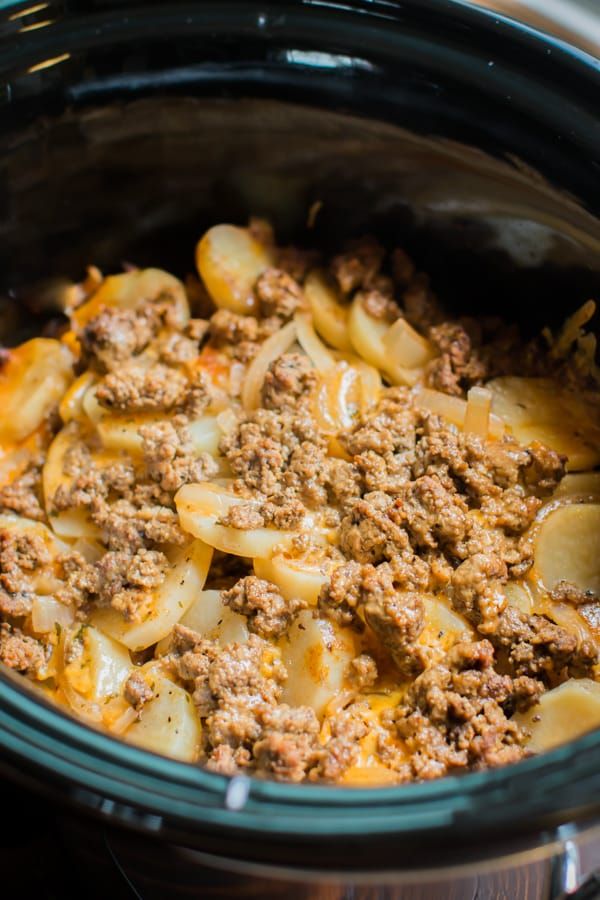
126,129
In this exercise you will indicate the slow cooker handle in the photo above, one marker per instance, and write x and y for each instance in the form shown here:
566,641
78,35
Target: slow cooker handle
566,880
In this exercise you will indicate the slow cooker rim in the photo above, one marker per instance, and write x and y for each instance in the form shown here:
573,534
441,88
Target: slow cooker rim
382,808
98,767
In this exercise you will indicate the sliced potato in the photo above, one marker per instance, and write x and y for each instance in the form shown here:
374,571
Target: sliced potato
540,409
567,547
330,316
171,599
443,628
201,505
168,723
316,654
367,336
209,616
96,673
580,484
205,434
229,260
406,347
563,714
298,576
519,596
70,523
33,380
130,290
47,613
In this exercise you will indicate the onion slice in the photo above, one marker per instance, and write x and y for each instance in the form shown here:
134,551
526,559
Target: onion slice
312,345
272,348
477,415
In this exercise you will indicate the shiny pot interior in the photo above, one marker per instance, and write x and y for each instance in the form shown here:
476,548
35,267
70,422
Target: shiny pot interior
472,141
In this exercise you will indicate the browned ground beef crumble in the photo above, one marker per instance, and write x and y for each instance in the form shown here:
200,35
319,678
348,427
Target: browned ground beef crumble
420,509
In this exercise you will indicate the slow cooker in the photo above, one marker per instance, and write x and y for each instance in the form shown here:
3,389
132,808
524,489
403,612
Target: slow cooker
125,130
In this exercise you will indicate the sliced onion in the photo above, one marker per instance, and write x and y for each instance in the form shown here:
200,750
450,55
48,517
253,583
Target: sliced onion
453,409
477,415
272,348
312,345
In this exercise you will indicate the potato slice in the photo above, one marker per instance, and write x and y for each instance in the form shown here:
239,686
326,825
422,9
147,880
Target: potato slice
367,336
539,409
567,547
298,576
330,316
406,347
169,723
47,613
519,596
585,485
563,714
201,505
229,260
130,290
70,523
205,434
316,653
96,674
171,600
209,616
33,379
443,628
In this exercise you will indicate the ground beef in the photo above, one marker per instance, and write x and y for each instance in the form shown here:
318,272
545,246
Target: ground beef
126,580
420,305
288,745
567,592
458,366
296,261
477,589
137,691
127,526
269,614
358,266
170,456
403,268
278,294
15,604
23,495
240,335
396,617
114,336
370,532
21,652
378,596
285,515
342,750
237,688
455,714
379,305
363,672
535,646
289,379
157,388
177,349
269,452
21,556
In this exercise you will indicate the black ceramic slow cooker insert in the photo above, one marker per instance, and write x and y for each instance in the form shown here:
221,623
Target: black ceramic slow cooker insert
472,140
